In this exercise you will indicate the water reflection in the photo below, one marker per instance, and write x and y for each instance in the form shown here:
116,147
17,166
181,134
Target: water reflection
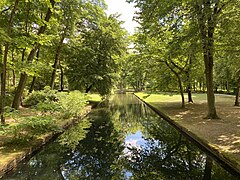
125,140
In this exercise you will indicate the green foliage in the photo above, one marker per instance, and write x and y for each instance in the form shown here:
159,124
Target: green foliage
29,128
11,112
72,137
92,62
48,106
40,96
72,104
40,124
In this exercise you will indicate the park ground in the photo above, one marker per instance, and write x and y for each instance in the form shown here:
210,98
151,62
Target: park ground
221,134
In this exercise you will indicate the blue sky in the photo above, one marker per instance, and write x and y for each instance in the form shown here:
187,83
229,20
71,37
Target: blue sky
126,10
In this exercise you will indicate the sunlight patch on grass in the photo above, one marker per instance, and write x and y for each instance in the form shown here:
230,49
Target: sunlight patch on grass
163,97
95,97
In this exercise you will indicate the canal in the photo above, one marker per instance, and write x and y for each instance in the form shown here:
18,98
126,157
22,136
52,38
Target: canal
122,139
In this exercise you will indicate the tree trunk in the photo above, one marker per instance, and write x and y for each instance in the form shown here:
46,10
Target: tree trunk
34,77
19,91
23,77
61,78
208,59
206,26
237,93
89,88
190,100
13,78
56,61
4,65
3,83
32,85
227,87
121,87
181,90
189,86
179,83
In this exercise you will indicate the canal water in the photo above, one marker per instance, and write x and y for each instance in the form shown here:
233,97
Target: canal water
123,139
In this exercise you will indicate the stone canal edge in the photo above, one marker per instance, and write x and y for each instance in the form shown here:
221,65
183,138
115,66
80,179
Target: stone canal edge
29,152
230,165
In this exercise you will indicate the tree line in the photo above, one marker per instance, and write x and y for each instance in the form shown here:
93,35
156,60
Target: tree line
64,44
184,46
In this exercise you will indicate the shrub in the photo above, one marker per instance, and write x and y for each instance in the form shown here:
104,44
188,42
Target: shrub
72,103
40,124
40,96
28,128
11,112
48,106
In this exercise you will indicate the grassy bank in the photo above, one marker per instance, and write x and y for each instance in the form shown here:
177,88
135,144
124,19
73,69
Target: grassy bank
222,134
27,129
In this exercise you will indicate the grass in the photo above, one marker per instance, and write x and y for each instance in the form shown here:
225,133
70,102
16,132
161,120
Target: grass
95,97
222,134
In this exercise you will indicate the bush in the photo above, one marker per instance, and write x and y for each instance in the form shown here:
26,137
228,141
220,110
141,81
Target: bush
72,103
48,106
28,128
40,96
11,112
40,124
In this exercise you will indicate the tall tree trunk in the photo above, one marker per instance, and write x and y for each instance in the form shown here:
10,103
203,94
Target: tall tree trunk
189,92
4,65
34,77
237,93
23,77
56,61
13,82
32,85
13,78
18,94
206,23
208,60
61,78
189,86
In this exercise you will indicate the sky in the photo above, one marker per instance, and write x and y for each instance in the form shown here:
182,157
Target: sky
126,10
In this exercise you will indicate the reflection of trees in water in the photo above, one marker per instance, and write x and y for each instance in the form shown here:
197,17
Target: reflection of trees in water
168,155
78,132
99,152
44,165
96,156
128,112
156,159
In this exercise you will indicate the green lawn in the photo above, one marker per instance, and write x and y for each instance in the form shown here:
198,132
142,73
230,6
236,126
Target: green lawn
174,97
95,97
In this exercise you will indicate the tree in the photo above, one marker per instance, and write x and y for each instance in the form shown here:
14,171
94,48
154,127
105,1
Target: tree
4,64
198,18
35,47
207,13
92,62
67,22
227,49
